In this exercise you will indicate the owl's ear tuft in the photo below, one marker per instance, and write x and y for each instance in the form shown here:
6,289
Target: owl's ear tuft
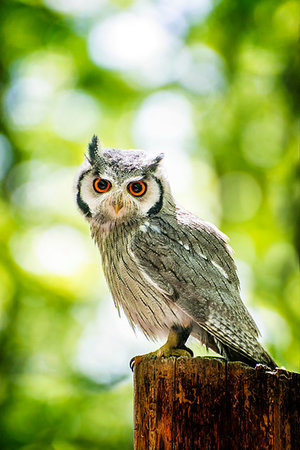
154,163
94,149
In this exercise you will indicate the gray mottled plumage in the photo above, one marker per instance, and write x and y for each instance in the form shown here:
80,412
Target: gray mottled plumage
164,266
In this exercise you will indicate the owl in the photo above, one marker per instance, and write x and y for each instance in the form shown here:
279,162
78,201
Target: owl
172,273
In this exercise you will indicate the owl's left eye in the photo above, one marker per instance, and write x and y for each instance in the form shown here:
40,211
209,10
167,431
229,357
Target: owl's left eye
101,185
137,188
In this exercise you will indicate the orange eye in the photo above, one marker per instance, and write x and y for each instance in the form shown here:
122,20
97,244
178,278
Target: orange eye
101,185
137,188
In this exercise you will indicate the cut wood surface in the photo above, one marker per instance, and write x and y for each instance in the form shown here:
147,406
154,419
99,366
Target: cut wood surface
208,403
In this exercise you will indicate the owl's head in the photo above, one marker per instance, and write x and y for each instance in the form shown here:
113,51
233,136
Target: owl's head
115,186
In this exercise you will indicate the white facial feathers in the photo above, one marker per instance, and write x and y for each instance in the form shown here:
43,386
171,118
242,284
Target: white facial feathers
118,194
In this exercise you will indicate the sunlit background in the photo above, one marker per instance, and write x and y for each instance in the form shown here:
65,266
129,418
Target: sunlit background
212,84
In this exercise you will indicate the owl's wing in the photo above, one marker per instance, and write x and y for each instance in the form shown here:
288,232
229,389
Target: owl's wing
190,259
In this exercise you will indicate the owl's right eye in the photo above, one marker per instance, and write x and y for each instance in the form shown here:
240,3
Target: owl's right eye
101,185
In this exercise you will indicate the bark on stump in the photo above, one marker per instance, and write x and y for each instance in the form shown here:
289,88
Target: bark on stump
208,403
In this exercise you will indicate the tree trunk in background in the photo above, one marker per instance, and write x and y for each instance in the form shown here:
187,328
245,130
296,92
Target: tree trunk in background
208,403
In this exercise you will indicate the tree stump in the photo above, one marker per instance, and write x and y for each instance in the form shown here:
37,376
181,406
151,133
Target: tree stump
209,403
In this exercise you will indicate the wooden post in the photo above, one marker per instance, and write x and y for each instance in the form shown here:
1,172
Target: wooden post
208,403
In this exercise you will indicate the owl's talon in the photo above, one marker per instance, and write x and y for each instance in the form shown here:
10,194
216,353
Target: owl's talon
190,351
135,360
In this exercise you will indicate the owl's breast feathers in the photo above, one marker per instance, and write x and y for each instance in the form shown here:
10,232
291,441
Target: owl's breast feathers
146,304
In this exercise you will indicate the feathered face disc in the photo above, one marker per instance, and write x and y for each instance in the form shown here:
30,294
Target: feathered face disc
116,186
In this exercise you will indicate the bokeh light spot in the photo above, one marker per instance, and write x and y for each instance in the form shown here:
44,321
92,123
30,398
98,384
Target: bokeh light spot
56,68
241,196
200,69
58,250
126,41
46,192
98,361
27,101
136,44
262,141
75,115
269,322
164,119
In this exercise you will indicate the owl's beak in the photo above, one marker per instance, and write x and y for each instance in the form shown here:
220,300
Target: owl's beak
117,205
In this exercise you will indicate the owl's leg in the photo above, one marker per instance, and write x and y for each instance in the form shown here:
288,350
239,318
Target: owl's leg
175,346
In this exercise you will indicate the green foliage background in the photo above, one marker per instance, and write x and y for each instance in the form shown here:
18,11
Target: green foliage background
245,136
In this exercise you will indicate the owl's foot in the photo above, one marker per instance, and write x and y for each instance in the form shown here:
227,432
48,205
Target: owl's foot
163,352
173,347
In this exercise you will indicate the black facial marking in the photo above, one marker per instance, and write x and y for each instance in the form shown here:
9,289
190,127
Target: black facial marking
158,205
81,204
93,148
